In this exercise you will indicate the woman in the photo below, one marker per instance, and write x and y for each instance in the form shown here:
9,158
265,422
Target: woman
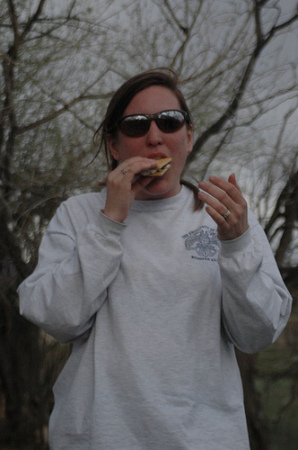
154,291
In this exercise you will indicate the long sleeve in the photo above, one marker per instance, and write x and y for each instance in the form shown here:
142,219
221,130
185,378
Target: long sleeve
78,260
157,357
255,302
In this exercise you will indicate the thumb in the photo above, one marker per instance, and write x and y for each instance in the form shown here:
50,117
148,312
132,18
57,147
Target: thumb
140,183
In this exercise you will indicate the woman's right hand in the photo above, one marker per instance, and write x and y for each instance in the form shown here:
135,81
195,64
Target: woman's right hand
123,185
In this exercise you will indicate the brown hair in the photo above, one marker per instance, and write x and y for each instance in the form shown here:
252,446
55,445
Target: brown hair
121,99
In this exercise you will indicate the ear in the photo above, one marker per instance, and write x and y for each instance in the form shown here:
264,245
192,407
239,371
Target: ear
113,147
190,139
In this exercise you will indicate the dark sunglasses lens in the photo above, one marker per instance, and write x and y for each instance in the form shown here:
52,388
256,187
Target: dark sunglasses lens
135,126
138,125
170,121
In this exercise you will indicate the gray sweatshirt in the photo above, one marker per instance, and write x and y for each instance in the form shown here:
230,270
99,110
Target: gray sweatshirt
154,308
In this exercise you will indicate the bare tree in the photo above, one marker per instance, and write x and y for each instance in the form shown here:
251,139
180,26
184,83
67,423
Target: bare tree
33,41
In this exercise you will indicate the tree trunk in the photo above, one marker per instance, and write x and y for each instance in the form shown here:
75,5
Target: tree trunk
257,428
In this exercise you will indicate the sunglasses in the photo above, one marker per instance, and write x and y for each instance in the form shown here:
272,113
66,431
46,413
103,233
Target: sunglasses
137,125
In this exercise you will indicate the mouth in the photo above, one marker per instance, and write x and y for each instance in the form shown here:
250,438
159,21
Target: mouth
163,165
157,156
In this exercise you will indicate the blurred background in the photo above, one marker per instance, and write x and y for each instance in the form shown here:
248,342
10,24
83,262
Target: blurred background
61,60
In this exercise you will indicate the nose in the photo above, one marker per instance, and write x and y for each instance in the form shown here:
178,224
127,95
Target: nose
154,135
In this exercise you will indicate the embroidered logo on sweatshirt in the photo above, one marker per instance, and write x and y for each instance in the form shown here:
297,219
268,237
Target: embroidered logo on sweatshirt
202,243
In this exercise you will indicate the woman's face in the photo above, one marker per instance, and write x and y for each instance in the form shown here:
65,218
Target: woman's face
155,143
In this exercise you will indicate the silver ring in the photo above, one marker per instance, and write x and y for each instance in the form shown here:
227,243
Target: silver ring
227,213
123,171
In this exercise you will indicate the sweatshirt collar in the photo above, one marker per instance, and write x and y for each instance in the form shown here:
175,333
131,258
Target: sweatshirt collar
162,204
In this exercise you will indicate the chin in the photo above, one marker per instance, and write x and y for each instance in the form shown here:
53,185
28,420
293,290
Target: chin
157,189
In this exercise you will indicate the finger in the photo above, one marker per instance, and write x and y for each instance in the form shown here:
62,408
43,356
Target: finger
232,179
216,197
218,206
133,166
140,182
218,218
223,190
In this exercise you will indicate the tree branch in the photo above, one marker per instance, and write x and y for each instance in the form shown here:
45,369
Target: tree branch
289,190
261,43
33,19
60,111
15,27
175,20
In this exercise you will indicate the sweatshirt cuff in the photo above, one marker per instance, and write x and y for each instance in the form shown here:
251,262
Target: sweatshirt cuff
236,245
106,223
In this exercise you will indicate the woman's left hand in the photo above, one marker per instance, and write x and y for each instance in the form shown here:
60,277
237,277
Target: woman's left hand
226,205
